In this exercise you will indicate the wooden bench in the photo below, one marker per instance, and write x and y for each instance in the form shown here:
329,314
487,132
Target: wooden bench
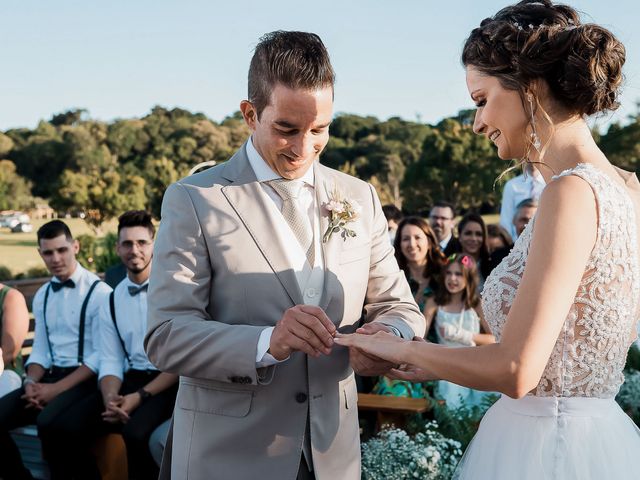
110,449
392,411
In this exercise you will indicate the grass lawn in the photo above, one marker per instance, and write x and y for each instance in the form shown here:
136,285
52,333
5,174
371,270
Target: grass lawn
18,251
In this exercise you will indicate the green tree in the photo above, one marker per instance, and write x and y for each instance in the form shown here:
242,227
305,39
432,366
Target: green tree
15,191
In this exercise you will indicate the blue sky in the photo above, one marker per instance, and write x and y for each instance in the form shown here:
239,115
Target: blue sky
120,58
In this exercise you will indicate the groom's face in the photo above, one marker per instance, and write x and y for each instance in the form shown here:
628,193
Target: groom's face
293,128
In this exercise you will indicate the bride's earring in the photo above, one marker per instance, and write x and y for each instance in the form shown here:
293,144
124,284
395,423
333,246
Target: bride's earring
535,139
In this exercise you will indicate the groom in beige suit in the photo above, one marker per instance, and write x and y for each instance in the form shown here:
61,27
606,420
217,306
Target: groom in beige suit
252,280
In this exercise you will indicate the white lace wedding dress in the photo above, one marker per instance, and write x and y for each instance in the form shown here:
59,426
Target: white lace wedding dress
570,427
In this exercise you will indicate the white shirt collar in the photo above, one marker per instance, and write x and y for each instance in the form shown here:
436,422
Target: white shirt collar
264,173
445,242
128,282
76,275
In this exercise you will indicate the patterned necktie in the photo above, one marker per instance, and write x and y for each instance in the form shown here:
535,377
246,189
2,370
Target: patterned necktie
68,283
133,290
288,190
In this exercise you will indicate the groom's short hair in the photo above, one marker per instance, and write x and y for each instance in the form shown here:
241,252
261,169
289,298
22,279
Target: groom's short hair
294,59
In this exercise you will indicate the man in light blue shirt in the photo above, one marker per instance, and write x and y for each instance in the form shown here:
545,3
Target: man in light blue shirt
63,364
134,396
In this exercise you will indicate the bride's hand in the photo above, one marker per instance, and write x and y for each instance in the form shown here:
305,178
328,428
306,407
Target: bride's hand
410,373
382,345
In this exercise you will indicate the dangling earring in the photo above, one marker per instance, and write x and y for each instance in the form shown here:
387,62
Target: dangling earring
535,139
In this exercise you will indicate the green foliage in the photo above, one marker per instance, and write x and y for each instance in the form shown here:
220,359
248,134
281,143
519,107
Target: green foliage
77,163
33,272
5,273
98,254
633,358
15,191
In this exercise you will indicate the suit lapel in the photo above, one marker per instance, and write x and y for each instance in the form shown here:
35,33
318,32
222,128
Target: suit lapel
324,186
250,202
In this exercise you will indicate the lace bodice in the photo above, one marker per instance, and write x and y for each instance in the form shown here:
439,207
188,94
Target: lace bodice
591,350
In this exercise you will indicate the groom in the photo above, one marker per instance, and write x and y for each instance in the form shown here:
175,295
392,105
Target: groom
252,277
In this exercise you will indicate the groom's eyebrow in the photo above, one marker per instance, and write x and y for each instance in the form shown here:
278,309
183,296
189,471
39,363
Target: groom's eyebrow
285,124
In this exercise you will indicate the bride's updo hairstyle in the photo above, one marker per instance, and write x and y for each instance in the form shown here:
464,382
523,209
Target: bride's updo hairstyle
580,62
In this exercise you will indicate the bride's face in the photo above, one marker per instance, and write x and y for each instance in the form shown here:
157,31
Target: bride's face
500,114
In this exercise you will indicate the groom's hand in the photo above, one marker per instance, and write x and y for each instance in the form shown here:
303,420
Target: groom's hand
302,328
365,364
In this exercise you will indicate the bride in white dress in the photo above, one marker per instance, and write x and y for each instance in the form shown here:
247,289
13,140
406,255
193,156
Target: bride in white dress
564,304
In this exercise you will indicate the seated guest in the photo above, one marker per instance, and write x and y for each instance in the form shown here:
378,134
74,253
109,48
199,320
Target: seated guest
442,220
14,325
394,216
418,255
472,233
528,185
135,397
158,440
500,244
459,320
525,211
498,238
63,363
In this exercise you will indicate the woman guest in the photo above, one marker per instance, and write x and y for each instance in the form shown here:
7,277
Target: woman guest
473,236
564,304
14,325
498,238
419,256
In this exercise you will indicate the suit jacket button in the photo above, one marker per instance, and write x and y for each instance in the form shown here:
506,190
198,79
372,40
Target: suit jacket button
301,397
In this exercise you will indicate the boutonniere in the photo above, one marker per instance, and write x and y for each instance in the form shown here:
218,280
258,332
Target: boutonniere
341,211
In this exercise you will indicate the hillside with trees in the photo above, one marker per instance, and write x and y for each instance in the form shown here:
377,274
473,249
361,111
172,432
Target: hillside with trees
76,163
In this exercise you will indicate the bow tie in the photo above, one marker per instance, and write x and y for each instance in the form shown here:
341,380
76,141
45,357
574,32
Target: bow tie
56,286
133,291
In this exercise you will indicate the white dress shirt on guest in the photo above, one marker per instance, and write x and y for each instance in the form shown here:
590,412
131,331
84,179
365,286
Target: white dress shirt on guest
63,322
131,315
516,190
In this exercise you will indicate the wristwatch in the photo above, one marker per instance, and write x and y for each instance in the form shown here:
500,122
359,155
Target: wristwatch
144,395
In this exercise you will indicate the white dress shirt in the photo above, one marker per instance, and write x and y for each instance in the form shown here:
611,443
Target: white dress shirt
445,242
516,190
307,201
63,322
131,316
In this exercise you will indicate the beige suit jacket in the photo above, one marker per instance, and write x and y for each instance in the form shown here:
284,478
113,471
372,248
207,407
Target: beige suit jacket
218,280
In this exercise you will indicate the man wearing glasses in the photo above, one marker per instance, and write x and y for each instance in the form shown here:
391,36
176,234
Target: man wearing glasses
441,219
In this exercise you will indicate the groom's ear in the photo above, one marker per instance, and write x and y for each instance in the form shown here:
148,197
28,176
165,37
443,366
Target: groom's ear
249,114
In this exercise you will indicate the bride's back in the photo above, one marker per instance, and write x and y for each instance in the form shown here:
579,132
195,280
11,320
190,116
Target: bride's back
591,350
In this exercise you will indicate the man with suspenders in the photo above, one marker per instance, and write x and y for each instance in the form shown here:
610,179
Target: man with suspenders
135,397
64,361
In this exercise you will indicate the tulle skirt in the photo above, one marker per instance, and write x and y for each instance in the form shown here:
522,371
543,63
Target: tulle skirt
553,438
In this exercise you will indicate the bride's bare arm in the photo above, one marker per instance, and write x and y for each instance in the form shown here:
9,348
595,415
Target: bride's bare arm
563,238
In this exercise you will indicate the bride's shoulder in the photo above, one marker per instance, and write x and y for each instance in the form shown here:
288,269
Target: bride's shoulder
574,189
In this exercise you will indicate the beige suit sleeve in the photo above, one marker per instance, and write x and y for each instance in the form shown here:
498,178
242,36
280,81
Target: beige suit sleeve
181,338
389,299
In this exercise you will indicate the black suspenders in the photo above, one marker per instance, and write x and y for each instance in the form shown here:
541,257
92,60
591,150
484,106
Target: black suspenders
112,308
83,315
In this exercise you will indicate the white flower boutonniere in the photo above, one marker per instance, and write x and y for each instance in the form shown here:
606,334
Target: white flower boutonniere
341,211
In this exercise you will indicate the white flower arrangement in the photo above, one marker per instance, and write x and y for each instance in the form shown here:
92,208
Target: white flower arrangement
394,455
341,211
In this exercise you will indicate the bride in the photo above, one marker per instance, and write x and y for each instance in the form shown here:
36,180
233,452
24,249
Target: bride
564,304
